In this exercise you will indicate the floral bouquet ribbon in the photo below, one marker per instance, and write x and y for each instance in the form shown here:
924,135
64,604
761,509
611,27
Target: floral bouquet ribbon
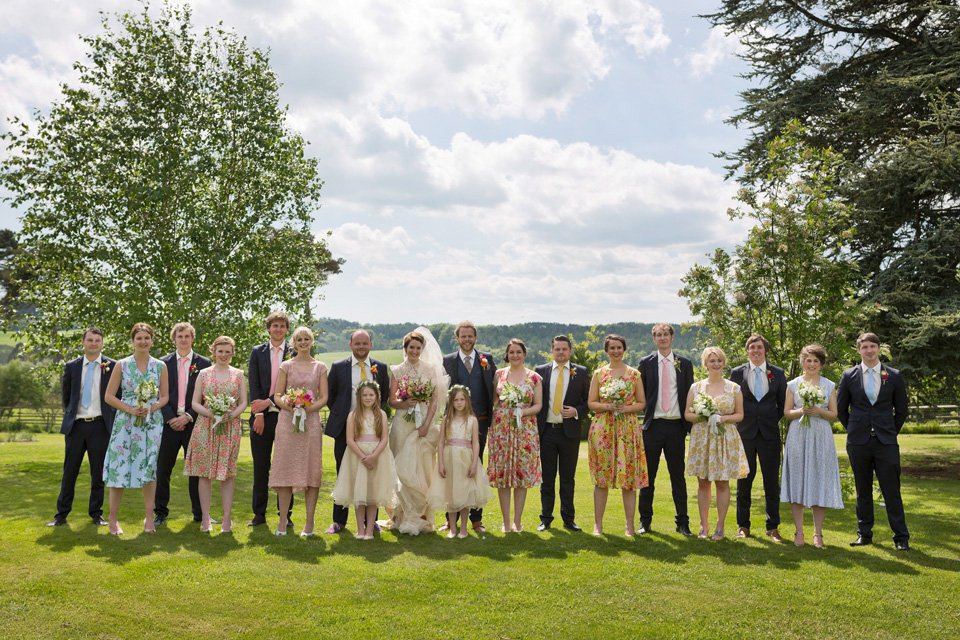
811,395
220,404
146,393
615,390
706,409
418,389
514,398
299,399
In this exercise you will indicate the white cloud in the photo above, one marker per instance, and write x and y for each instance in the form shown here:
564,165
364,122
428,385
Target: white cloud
713,51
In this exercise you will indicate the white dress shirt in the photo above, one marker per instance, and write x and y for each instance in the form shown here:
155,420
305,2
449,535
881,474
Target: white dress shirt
563,370
355,379
674,412
183,409
94,409
877,381
752,376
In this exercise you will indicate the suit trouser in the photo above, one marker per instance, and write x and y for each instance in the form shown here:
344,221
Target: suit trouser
261,447
171,442
476,515
558,453
668,437
769,453
90,438
884,459
342,513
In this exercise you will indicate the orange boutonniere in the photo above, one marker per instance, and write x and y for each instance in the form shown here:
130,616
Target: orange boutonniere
573,372
883,377
483,362
373,369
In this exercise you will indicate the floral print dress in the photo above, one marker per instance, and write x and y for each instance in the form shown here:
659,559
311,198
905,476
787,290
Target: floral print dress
131,460
714,456
210,454
514,458
615,441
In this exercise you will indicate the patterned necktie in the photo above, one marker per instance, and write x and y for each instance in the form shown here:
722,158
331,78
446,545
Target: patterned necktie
363,370
665,386
758,384
871,387
468,364
182,386
558,392
87,398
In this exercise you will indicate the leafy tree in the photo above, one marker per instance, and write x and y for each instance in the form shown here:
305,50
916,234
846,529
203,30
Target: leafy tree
792,280
164,186
876,82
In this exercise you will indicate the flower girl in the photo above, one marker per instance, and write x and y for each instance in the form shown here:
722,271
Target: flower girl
367,478
459,480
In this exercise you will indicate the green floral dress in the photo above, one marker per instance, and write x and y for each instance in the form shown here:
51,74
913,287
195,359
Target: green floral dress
131,460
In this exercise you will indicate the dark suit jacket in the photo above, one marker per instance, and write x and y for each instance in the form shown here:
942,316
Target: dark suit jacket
452,367
761,418
650,375
858,416
340,387
173,380
575,396
259,372
70,393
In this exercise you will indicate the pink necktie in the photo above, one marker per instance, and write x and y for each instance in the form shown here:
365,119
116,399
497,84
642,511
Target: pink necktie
182,387
665,386
274,368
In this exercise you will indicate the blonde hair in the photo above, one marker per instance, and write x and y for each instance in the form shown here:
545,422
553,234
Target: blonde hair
447,423
222,340
300,331
358,413
710,351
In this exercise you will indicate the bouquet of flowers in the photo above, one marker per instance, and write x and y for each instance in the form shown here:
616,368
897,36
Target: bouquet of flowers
299,399
705,407
811,395
616,390
514,397
146,394
220,404
418,389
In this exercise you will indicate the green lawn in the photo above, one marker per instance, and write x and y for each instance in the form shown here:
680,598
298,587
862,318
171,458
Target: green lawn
77,581
8,338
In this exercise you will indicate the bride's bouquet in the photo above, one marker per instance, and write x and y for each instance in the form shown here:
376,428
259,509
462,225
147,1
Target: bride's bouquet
811,395
299,399
705,407
514,397
220,404
420,390
146,394
616,390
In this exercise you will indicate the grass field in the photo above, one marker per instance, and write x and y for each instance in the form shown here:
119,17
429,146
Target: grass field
76,581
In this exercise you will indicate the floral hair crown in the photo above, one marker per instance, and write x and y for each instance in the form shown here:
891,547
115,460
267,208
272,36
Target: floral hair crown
368,383
458,387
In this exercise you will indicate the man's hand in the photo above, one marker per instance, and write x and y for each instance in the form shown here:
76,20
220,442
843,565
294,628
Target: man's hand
180,422
258,424
259,406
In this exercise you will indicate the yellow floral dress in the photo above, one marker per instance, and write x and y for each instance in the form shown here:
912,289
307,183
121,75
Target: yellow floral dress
616,442
714,456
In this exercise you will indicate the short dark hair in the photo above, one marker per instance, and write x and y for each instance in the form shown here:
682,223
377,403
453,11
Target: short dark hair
611,337
868,337
561,338
816,351
141,326
661,325
758,338
94,330
519,343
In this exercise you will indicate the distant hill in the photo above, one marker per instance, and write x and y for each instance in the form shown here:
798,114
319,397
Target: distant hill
536,335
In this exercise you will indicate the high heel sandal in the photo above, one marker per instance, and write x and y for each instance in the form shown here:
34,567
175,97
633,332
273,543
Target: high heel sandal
798,539
279,533
703,534
717,535
818,541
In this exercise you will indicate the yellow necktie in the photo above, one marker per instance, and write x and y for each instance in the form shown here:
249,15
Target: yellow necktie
558,393
363,370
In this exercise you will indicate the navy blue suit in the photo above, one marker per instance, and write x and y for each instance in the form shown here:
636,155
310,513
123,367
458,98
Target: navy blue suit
872,444
172,441
340,387
261,445
666,436
84,436
760,434
560,444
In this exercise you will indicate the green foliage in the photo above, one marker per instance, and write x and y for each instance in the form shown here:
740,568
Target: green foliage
165,186
792,279
22,385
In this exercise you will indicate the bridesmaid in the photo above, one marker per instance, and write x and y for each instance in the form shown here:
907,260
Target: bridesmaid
131,460
211,455
616,436
298,456
811,475
515,449
715,457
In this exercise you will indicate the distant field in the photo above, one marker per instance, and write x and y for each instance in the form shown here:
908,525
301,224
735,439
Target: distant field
390,356
8,338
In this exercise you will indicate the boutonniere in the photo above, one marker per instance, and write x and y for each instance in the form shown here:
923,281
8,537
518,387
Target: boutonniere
104,366
193,369
676,364
769,375
883,377
289,355
483,362
573,373
373,369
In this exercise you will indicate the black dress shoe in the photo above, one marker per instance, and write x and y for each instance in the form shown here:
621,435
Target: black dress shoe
543,526
861,541
684,529
99,521
258,519
902,546
159,521
572,526
644,529
58,521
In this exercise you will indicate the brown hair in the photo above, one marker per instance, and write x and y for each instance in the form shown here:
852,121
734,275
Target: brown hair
141,326
413,335
519,343
612,336
277,316
466,324
358,412
222,340
868,337
181,326
561,338
816,351
94,330
710,351
661,325
758,338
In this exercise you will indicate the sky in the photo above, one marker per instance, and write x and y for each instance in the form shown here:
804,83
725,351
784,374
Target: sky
495,160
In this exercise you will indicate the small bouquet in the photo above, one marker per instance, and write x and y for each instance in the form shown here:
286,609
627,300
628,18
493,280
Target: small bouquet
299,399
616,390
705,407
811,395
146,394
418,389
220,404
514,397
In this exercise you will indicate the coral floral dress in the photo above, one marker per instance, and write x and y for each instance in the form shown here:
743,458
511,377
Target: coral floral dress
514,460
615,441
210,454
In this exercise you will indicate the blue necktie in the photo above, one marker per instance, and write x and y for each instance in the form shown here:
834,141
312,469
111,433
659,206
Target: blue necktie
758,384
88,386
871,394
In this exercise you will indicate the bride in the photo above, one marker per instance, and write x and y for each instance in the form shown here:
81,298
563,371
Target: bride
418,387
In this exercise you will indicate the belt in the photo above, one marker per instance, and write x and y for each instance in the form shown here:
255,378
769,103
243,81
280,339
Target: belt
93,419
555,425
458,442
483,417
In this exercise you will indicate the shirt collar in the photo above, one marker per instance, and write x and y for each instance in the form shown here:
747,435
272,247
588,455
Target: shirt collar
864,368
189,356
464,356
354,361
86,362
561,366
661,357
762,366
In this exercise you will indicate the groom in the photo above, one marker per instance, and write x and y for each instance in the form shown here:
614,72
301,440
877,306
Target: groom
343,378
872,407
764,389
475,370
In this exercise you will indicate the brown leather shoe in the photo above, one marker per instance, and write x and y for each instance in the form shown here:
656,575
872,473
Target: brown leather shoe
479,528
774,535
743,532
